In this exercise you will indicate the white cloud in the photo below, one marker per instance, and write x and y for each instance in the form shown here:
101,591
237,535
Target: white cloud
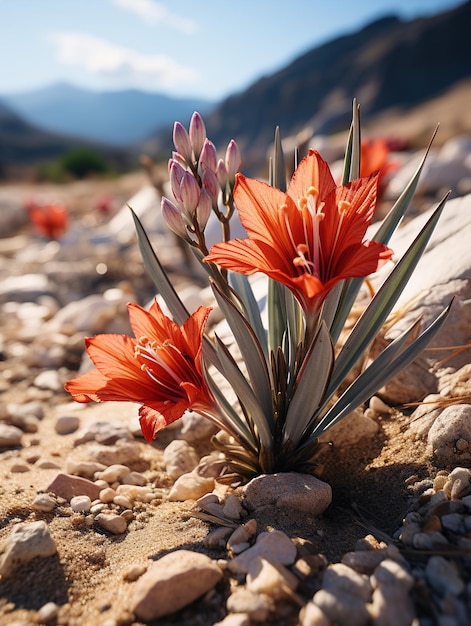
119,64
155,12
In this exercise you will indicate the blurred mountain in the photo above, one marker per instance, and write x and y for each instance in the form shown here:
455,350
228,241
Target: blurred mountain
115,117
23,145
393,68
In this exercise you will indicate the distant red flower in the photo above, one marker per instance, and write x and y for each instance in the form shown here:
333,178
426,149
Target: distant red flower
308,238
374,157
104,204
50,220
161,368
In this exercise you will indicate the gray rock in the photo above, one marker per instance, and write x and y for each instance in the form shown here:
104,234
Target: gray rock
179,458
312,615
431,288
453,424
173,582
443,576
43,502
26,541
342,608
10,435
66,424
288,490
25,288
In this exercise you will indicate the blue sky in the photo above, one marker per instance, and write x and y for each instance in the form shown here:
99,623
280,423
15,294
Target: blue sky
204,48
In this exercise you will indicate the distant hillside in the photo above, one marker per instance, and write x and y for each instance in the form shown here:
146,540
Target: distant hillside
117,117
23,145
389,66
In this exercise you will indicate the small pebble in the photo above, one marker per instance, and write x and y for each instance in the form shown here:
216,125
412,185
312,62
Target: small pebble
107,495
114,524
66,424
133,572
123,501
113,473
43,502
80,504
48,613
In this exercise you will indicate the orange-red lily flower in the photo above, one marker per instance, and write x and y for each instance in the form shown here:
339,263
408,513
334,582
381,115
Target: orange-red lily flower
161,368
308,238
374,157
51,220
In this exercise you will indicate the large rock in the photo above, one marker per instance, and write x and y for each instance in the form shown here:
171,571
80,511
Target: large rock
25,542
173,582
443,272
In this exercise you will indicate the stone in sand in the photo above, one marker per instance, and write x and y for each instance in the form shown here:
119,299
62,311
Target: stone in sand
25,542
173,582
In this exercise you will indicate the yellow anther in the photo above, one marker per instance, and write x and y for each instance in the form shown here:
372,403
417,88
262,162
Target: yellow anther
302,248
344,206
312,191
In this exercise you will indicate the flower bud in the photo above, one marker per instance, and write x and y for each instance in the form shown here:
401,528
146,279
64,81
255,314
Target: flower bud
210,183
190,192
176,173
173,217
176,156
233,160
182,143
203,210
208,157
197,133
221,173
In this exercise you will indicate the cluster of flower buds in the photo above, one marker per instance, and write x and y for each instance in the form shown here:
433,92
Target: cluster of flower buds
199,181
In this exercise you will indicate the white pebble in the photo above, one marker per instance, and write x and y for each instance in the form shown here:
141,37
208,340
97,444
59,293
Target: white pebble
80,504
48,612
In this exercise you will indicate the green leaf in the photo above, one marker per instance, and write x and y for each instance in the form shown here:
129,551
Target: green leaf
158,275
251,352
231,372
382,235
387,365
382,304
351,167
241,284
310,385
279,168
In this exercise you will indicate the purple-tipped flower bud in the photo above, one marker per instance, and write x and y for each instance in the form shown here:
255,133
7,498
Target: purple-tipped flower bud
173,218
203,211
190,192
176,173
197,133
208,157
233,160
210,183
182,143
176,156
221,173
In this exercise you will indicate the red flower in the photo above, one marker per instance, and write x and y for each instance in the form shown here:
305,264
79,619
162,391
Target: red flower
308,238
51,220
374,157
161,368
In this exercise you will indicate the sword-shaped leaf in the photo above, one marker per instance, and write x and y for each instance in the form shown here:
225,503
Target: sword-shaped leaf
382,304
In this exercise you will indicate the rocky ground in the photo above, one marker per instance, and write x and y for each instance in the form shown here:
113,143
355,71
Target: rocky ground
98,527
